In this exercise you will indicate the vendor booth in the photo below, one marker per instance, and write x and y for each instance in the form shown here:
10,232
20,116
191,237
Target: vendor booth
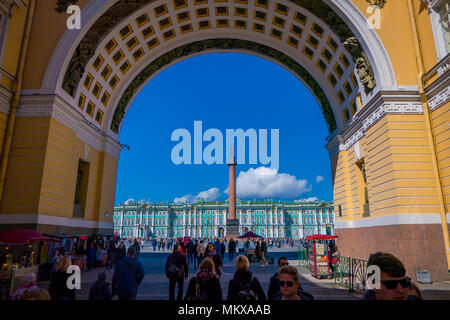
21,252
318,255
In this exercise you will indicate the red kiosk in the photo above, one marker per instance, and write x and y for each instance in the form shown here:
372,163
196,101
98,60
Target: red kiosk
318,252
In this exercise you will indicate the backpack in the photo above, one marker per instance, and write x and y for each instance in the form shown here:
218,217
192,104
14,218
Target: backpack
246,294
199,294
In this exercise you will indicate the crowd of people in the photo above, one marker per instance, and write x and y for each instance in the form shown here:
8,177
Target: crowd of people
207,259
161,244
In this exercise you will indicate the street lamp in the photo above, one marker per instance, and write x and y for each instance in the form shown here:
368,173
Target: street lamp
125,146
377,3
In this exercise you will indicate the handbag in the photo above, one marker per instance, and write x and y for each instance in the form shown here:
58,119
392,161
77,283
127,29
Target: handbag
174,272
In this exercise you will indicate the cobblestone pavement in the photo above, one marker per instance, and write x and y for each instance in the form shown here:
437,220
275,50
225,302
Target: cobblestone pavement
155,284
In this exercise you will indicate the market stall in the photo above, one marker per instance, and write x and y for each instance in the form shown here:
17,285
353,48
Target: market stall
73,246
21,252
318,254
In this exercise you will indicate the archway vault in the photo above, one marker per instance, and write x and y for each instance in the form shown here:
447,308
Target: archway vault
132,41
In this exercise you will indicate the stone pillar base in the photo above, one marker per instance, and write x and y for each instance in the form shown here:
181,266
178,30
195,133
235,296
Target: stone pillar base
232,228
418,246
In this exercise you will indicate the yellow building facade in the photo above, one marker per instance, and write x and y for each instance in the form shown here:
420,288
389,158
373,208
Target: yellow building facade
378,69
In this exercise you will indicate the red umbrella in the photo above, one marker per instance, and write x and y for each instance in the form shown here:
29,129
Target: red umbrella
249,235
23,236
321,237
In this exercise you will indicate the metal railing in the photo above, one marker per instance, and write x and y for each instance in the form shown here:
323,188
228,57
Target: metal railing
351,273
302,256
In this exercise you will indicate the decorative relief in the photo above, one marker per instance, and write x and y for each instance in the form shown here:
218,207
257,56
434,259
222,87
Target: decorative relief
440,99
444,68
4,107
380,112
62,5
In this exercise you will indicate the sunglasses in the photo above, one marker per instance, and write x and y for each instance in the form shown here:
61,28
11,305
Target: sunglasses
392,284
285,264
287,283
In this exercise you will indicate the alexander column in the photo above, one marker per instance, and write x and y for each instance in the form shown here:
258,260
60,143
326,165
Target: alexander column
232,222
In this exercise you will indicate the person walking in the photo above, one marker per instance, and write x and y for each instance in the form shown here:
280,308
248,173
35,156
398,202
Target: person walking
231,249
190,254
222,249
137,246
58,284
258,251
111,255
205,285
121,252
243,286
212,254
128,275
217,245
264,252
100,289
201,250
195,254
99,256
90,257
176,271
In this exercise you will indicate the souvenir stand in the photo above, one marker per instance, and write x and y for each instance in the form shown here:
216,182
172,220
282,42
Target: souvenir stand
318,253
21,253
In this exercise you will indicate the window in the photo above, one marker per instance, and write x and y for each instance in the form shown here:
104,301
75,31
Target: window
440,16
444,21
81,187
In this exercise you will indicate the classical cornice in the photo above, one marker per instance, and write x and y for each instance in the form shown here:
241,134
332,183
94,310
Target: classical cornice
439,99
43,106
383,103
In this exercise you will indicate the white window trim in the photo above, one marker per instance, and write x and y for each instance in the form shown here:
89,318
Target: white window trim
437,29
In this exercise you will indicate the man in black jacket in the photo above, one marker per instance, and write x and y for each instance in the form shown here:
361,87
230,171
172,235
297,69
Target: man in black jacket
128,275
177,271
274,286
100,289
231,249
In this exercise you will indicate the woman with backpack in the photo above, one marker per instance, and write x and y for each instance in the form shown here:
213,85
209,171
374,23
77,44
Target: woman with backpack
205,285
215,256
243,286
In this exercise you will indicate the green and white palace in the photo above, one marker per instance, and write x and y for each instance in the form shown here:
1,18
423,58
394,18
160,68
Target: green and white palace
207,219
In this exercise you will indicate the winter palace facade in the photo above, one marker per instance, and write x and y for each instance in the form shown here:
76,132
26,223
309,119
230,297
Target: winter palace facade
208,219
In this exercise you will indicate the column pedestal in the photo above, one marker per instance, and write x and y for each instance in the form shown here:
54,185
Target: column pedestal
232,228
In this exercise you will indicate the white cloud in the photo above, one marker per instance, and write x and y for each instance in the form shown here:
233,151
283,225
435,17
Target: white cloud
265,182
310,199
211,194
319,179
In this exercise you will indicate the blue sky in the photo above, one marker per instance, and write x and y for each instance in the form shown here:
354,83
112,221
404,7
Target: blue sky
224,91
